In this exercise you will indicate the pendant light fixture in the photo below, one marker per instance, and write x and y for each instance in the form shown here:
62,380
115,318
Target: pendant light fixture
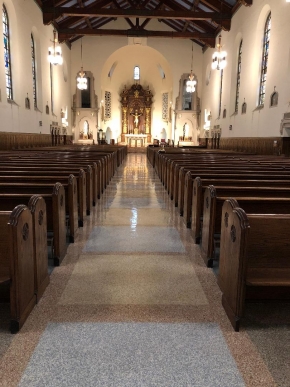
82,82
219,61
190,84
54,52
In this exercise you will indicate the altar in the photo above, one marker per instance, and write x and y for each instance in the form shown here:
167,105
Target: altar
136,112
136,140
85,142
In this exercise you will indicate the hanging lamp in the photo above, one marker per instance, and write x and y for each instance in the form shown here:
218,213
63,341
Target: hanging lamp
219,61
54,52
190,84
82,82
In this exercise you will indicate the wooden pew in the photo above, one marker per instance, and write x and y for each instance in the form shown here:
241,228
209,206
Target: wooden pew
99,164
71,193
84,180
212,214
184,198
37,206
54,197
239,188
107,158
203,162
76,197
254,259
17,283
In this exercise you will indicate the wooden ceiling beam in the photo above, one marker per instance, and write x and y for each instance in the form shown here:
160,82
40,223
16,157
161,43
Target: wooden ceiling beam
65,34
126,18
73,20
246,3
216,5
146,21
50,14
199,24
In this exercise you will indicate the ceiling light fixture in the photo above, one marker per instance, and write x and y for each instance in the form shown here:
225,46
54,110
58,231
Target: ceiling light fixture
82,82
54,52
219,57
190,84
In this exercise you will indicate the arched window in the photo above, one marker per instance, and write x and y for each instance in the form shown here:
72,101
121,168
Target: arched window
7,54
136,73
238,78
221,92
51,87
33,71
264,66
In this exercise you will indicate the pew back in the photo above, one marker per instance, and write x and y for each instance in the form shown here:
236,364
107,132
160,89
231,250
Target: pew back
254,259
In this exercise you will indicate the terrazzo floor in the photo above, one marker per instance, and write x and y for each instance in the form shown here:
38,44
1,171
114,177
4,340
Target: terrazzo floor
133,304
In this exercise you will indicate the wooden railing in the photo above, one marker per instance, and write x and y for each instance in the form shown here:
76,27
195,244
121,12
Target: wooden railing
10,140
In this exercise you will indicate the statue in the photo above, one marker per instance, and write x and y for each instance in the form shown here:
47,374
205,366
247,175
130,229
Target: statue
136,117
185,130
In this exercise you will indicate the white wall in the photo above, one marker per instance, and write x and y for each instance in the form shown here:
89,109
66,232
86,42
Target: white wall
174,56
25,18
248,24
100,54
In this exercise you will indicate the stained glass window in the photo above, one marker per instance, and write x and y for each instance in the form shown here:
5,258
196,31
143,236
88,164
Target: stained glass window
7,56
33,71
238,78
265,56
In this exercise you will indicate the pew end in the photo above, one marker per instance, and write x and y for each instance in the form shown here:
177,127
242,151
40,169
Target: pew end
17,263
254,260
59,223
37,207
196,215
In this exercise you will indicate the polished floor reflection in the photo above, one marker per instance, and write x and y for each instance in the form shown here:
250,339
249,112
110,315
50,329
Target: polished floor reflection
133,305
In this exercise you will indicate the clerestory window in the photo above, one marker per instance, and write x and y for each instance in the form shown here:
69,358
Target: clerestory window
7,54
265,57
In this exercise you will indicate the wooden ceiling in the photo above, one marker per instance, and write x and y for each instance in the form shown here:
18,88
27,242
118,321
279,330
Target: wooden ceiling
198,20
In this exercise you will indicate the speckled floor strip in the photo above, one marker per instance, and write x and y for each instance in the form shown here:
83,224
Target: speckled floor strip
128,354
133,304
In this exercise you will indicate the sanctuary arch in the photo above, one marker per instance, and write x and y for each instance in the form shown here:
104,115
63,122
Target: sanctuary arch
136,108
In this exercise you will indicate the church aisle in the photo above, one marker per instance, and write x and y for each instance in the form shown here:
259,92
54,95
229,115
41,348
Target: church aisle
132,304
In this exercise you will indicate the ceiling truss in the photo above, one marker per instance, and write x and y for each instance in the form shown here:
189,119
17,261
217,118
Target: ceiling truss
198,20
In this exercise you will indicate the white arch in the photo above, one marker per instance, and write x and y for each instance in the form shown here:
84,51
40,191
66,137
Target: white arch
123,60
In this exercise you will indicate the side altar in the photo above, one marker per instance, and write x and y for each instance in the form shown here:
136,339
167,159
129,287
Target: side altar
136,115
